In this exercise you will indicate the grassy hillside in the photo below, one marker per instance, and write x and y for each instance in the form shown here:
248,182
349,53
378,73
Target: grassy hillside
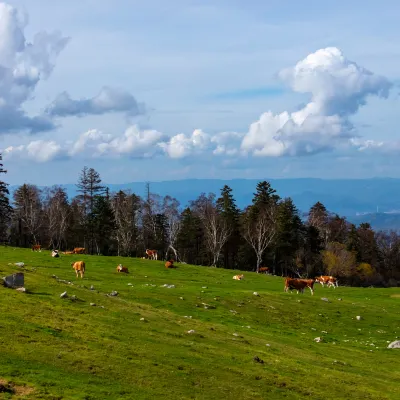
53,348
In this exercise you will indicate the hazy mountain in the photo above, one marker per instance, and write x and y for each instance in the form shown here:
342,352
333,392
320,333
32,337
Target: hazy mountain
347,197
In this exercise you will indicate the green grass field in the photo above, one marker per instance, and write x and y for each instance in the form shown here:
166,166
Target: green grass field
53,348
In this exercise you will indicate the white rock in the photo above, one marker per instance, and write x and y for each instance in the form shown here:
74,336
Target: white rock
93,304
256,294
325,299
142,319
64,295
191,331
394,345
358,318
318,339
21,289
235,334
180,298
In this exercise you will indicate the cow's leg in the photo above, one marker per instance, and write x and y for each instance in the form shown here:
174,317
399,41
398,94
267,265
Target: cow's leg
76,272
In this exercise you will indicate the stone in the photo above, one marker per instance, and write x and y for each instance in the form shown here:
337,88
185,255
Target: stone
19,264
180,298
14,280
114,293
339,299
358,318
21,289
255,294
142,319
91,287
318,339
394,345
63,295
93,304
191,331
130,284
325,299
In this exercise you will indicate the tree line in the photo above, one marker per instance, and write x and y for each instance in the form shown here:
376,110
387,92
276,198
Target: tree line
211,230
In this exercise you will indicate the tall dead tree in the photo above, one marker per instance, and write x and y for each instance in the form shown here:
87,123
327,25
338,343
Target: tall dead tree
172,222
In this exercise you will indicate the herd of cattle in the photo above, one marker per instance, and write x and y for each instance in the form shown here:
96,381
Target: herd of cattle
290,283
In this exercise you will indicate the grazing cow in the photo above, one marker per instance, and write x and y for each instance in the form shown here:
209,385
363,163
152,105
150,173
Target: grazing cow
263,270
238,277
79,250
55,254
299,285
79,267
152,254
36,247
170,264
120,268
329,280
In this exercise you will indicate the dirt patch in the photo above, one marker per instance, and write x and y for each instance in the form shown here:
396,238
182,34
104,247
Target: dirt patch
14,389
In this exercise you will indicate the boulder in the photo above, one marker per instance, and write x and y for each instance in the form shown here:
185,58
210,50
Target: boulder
14,281
394,345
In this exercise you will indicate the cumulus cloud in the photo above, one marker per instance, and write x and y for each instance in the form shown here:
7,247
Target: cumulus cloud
338,87
22,65
37,150
106,101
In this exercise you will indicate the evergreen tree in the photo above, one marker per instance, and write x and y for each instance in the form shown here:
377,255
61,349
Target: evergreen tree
103,225
5,208
230,213
290,235
89,186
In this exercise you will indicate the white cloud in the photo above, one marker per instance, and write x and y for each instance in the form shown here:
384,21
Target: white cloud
22,65
37,150
338,87
106,101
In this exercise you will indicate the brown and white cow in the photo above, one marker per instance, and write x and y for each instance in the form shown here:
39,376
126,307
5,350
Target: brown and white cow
79,267
152,254
170,264
263,270
55,254
238,277
120,268
299,285
328,280
36,247
79,250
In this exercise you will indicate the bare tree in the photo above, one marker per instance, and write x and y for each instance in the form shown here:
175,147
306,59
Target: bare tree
173,223
216,229
126,213
259,229
57,211
28,209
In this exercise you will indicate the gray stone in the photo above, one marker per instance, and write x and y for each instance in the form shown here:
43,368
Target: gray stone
21,289
318,339
114,293
358,318
325,299
63,295
256,294
93,304
394,345
19,264
14,280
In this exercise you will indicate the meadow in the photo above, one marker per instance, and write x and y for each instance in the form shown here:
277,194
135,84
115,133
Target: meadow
136,345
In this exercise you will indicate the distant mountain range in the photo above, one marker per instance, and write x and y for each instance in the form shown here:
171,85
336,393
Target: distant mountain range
357,199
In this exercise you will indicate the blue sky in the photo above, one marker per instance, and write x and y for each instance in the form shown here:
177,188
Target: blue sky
162,90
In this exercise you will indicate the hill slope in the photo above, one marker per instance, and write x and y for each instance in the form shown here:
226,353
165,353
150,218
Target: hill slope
53,348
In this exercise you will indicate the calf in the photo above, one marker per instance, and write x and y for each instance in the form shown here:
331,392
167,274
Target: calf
328,280
55,254
79,250
120,268
169,264
299,285
152,254
79,267
36,247
263,270
238,277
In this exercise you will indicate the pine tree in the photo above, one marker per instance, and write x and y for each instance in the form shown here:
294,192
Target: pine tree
89,186
5,208
103,225
229,211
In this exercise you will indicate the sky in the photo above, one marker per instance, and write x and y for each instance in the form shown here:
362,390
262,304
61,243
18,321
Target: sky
156,90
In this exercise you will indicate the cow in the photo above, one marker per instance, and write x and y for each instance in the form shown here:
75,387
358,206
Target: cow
120,268
263,270
329,280
238,277
55,254
170,264
37,247
152,254
79,250
299,285
79,267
